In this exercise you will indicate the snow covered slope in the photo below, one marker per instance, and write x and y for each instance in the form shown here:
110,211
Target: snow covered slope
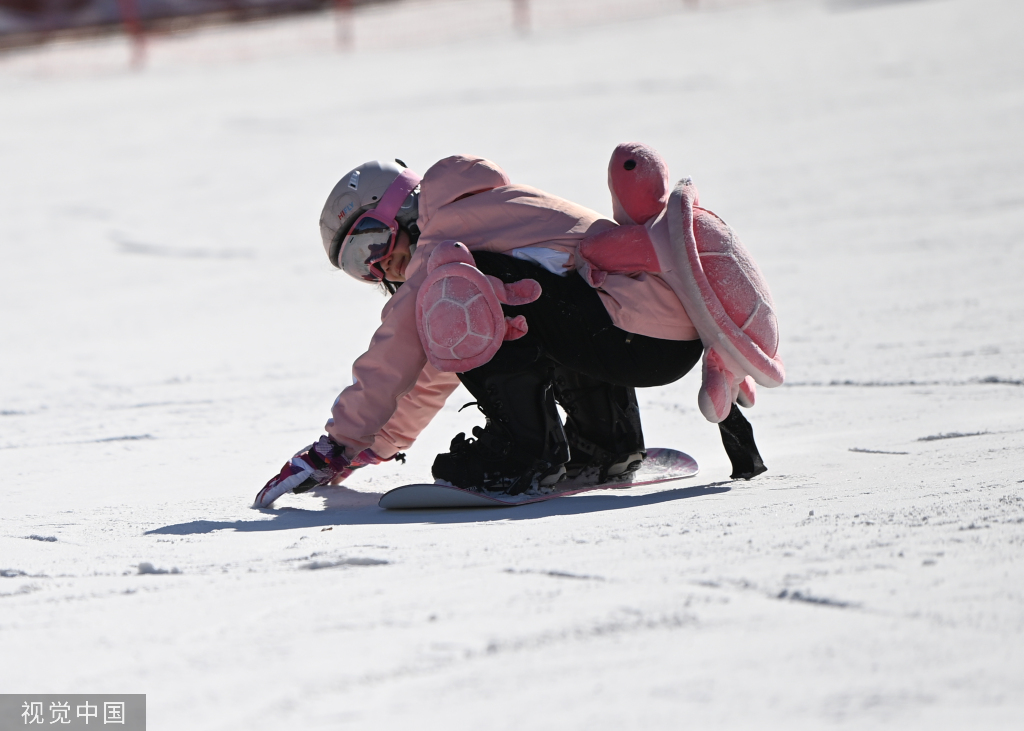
171,332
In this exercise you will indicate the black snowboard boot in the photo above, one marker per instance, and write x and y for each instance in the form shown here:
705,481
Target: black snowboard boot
738,439
602,426
522,445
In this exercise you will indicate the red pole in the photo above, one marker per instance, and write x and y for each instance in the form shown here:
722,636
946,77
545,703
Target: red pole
133,29
343,13
521,15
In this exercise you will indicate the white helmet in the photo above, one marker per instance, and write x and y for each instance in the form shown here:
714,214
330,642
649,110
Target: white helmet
361,190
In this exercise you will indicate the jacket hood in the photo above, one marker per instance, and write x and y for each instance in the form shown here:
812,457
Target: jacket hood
456,177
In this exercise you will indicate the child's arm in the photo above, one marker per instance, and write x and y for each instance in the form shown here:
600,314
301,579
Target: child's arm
389,370
416,409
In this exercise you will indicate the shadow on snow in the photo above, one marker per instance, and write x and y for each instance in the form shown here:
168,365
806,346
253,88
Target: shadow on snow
348,507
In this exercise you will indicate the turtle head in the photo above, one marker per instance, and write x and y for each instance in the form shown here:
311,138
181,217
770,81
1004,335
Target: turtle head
447,252
639,182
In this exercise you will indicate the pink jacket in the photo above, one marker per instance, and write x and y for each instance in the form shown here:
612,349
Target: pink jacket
469,199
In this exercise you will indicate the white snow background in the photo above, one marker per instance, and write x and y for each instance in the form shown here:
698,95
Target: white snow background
170,332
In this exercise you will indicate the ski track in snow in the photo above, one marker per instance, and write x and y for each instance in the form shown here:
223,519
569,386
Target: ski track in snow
172,334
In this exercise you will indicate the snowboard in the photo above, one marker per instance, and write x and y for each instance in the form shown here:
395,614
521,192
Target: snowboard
661,465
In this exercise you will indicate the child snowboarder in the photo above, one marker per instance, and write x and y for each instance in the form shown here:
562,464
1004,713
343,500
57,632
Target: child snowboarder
595,328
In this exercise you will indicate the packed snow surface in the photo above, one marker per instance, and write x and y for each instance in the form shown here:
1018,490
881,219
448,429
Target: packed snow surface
172,332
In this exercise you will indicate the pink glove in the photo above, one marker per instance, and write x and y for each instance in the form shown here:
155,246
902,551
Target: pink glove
366,457
318,464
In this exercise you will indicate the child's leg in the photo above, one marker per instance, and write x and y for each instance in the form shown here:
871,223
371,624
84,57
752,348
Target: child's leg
602,424
522,443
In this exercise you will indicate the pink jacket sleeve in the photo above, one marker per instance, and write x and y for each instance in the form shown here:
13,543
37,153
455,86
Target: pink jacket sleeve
416,409
394,395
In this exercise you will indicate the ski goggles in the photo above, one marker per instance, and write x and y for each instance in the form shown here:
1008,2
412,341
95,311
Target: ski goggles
371,239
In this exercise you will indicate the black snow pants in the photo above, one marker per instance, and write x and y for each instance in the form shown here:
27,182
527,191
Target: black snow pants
594,366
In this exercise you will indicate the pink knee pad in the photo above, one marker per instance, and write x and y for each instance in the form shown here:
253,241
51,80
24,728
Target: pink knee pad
458,310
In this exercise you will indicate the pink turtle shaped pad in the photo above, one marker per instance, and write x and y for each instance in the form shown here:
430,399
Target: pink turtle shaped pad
724,293
458,310
727,299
